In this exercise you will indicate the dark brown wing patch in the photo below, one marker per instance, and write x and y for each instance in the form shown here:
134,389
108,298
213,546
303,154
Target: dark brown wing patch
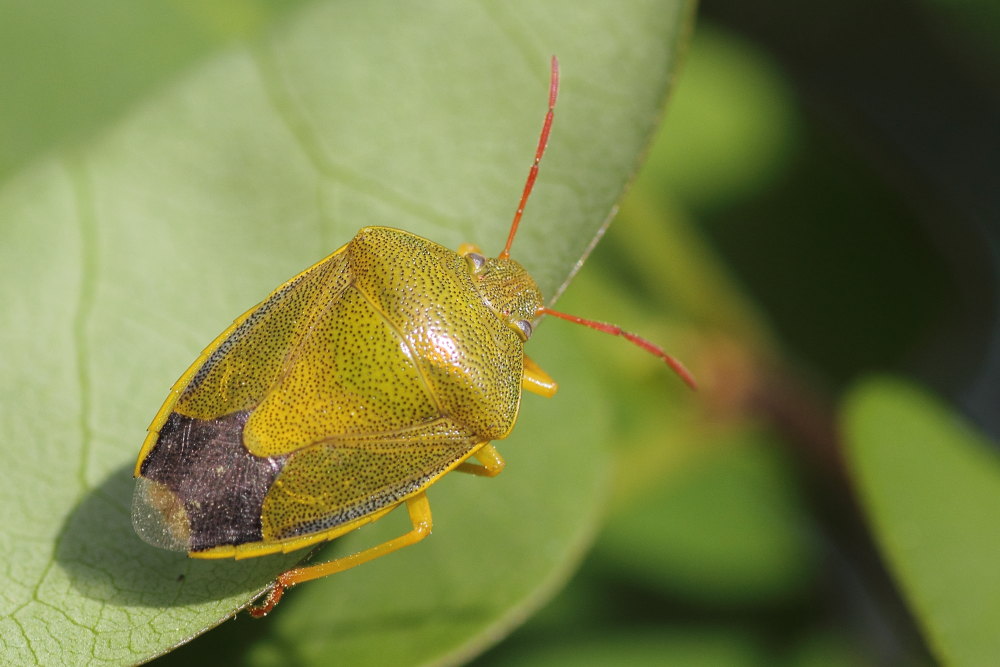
215,483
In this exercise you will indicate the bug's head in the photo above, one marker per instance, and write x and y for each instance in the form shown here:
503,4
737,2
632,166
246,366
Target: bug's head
507,289
513,294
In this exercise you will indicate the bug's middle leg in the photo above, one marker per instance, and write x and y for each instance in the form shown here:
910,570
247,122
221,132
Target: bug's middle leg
490,463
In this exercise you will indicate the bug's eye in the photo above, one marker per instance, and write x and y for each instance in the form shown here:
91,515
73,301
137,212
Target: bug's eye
524,326
476,261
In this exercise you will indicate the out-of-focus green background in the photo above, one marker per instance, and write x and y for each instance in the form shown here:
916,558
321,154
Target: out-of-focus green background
832,172
821,205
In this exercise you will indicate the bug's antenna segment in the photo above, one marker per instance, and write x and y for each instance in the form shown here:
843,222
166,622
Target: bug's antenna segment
543,140
674,364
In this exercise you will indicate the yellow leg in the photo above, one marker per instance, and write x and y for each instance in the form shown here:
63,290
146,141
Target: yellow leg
490,463
537,381
420,516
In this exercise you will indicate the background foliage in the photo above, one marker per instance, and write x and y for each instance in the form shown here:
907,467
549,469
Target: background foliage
814,233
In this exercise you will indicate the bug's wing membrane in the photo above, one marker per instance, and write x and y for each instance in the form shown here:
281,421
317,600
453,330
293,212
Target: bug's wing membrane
359,477
200,488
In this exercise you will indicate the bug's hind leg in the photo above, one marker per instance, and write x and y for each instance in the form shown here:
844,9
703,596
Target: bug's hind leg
420,516
490,463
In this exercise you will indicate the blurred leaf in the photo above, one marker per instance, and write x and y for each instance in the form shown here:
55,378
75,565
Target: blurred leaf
931,486
828,647
871,252
726,529
732,129
642,647
123,257
967,23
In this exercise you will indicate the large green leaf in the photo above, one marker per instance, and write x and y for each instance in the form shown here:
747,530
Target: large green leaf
72,67
931,486
122,258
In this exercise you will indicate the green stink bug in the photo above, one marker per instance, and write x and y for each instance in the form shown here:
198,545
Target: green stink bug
347,392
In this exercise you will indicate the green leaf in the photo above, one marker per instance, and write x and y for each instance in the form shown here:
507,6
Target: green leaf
931,486
71,68
124,256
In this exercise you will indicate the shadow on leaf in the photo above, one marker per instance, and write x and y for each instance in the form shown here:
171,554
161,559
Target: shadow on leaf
107,561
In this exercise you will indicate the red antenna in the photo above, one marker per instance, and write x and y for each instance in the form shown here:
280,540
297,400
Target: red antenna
543,141
652,348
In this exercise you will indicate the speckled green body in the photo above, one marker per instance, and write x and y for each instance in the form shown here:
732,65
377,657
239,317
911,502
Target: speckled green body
355,385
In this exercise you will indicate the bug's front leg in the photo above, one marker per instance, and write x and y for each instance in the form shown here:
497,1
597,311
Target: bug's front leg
537,381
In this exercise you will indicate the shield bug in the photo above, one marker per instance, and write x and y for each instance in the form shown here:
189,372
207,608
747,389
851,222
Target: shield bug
347,392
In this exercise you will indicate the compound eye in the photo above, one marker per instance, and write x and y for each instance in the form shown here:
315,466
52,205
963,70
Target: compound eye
476,261
524,326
